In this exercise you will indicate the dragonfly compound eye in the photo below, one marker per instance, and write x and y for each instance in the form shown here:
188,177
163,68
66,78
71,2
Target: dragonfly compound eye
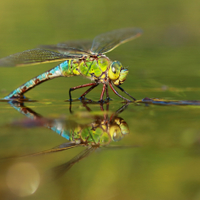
115,133
114,70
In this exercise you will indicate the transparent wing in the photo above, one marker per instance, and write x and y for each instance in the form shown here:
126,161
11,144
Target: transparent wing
33,56
77,47
108,41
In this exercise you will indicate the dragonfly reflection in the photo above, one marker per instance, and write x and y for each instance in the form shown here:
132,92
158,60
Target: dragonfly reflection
102,129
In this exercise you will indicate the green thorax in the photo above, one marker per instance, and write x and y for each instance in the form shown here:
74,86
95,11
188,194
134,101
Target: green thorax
94,67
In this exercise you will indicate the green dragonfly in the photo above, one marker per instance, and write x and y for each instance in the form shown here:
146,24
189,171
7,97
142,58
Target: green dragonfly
86,58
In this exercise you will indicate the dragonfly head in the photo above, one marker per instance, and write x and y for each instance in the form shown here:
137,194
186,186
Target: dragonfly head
117,73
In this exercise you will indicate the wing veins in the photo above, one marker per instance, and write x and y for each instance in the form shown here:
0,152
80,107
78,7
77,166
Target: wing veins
34,56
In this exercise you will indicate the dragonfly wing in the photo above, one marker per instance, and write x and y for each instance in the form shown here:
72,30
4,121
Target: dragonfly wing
33,56
78,47
108,41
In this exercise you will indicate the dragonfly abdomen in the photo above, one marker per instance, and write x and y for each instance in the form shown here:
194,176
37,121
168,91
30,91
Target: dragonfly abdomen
50,74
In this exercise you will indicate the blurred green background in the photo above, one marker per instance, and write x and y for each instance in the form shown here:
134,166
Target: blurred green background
163,62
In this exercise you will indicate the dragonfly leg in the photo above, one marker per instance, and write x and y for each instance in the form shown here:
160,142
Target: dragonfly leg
125,92
81,86
87,91
102,93
107,95
113,89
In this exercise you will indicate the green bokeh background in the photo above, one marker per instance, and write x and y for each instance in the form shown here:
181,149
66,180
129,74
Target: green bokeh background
163,62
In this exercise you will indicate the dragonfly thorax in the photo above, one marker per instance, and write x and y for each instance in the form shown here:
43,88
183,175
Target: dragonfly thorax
117,73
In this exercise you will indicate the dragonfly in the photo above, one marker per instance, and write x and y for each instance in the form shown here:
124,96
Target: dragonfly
86,58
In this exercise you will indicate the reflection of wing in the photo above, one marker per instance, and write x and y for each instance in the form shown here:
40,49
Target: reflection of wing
78,47
33,56
63,168
62,147
108,41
